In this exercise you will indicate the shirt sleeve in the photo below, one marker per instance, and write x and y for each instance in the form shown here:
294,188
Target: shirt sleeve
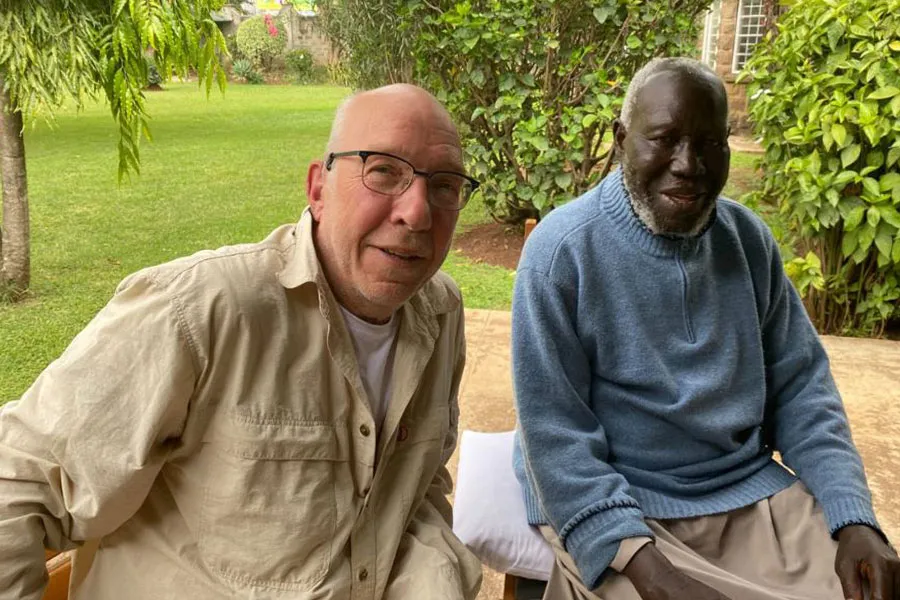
81,448
588,503
805,417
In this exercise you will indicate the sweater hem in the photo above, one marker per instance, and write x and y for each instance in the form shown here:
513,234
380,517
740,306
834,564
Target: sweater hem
765,483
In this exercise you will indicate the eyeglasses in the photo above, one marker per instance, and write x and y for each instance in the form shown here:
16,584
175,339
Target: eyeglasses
391,175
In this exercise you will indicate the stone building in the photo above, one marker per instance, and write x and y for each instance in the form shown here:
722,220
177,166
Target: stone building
300,25
732,28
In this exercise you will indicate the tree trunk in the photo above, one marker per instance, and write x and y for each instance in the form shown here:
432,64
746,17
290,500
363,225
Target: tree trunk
15,256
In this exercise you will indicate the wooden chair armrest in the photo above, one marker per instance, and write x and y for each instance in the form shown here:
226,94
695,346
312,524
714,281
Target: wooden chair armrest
59,567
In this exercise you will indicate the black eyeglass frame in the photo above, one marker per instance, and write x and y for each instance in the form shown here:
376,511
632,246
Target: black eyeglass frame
365,154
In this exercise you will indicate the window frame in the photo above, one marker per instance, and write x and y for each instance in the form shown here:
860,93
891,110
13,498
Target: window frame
711,25
761,26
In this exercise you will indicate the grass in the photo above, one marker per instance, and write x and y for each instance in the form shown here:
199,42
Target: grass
219,171
743,176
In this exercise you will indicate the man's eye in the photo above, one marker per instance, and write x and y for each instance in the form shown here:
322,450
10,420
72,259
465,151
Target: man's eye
447,183
665,140
384,170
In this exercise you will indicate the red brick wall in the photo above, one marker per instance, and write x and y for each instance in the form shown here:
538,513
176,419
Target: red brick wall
737,92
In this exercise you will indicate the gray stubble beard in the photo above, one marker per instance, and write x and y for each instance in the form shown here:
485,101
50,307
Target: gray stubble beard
641,204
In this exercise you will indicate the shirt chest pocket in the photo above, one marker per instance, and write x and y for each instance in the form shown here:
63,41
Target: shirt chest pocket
269,514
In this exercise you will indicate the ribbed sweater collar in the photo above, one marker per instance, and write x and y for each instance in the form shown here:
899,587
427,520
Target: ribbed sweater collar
617,205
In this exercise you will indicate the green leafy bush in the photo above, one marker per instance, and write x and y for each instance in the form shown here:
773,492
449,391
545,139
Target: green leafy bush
301,67
534,84
825,98
262,40
233,51
243,69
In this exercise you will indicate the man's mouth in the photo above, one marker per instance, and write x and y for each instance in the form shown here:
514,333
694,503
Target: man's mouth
683,198
402,254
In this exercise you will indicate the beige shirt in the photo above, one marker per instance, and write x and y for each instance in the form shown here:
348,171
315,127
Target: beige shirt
209,427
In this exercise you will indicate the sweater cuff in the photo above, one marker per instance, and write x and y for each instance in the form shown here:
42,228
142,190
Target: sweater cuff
849,510
594,542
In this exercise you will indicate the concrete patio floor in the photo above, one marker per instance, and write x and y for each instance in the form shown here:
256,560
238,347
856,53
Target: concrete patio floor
867,373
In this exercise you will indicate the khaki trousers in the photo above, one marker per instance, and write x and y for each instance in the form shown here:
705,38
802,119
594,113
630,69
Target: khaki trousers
776,549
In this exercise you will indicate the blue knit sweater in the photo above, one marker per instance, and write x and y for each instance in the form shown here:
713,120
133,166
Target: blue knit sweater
654,378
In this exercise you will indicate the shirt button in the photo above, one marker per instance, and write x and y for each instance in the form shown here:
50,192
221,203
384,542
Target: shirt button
402,433
363,575
364,429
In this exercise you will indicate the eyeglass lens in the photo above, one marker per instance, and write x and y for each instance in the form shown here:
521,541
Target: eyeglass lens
389,175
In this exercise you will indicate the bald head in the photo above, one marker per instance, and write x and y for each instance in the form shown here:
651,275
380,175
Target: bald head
395,99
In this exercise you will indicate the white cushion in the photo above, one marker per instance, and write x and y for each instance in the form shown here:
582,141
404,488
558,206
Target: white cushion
488,510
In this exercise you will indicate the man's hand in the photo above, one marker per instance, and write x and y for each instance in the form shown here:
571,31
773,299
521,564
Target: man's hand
864,558
655,578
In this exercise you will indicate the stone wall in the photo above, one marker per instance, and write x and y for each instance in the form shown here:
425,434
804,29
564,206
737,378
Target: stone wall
303,32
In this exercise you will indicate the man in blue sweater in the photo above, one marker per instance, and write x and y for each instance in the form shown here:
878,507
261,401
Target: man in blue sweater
660,357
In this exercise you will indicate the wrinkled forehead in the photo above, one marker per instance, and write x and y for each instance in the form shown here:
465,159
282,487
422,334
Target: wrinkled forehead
682,97
417,129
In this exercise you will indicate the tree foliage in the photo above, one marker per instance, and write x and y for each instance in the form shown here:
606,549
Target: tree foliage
534,84
55,50
375,39
80,49
825,98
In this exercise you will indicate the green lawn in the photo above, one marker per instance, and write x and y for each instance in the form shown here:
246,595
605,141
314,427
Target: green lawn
219,171
742,177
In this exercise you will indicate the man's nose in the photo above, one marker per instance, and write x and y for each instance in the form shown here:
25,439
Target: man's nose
686,160
412,208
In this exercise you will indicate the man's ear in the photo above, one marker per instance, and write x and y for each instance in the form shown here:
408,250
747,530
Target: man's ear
315,184
619,134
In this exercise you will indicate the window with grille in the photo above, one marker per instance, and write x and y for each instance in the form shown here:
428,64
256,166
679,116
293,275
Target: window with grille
711,34
751,26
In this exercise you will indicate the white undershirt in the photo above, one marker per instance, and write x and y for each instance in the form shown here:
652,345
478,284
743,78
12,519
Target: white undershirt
374,347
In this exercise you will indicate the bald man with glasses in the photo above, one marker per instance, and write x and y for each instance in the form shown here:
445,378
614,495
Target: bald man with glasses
270,420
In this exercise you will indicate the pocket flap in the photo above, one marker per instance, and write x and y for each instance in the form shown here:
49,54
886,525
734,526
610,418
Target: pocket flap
275,438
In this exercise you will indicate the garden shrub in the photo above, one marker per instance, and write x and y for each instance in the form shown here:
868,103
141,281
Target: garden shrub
262,40
534,84
243,69
825,99
301,67
233,51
